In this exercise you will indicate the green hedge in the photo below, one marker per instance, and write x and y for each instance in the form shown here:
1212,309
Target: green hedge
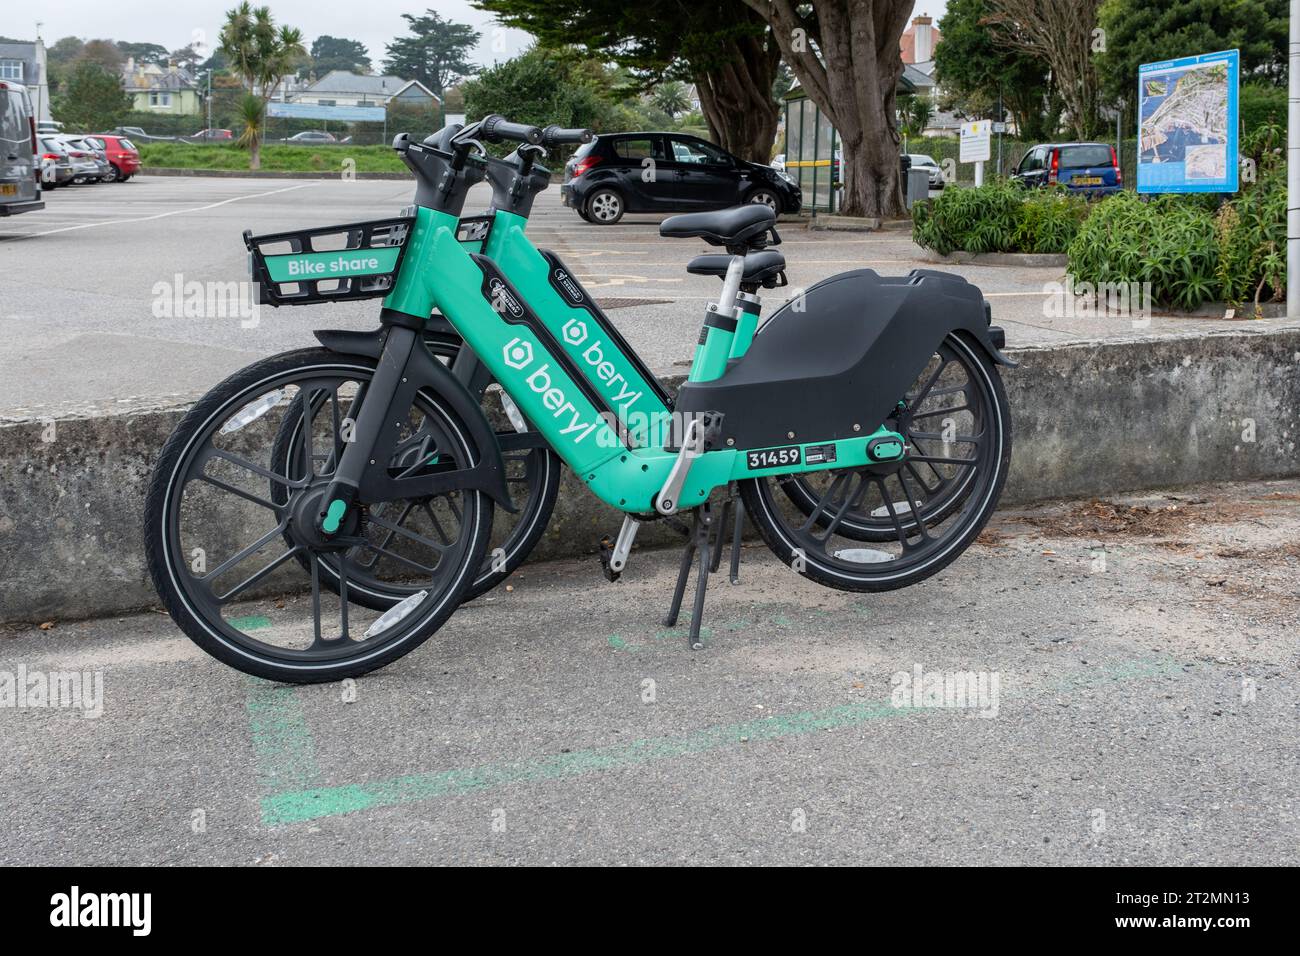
999,217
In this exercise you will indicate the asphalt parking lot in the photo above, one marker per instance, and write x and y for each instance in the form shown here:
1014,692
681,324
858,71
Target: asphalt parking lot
1140,661
81,281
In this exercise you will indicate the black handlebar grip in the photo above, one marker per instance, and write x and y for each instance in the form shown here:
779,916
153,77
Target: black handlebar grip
555,135
497,127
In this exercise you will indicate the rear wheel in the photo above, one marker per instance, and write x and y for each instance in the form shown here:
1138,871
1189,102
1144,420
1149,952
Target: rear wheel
919,514
224,555
605,207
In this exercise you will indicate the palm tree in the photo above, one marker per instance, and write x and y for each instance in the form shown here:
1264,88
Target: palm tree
261,55
670,97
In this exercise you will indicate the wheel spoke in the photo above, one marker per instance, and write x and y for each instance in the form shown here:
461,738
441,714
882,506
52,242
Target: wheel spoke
246,495
245,553
408,533
254,578
255,468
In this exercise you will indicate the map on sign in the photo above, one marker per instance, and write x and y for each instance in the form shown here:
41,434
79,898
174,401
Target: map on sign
1187,124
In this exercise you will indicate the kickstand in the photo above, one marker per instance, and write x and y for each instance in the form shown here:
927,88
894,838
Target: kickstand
736,531
700,541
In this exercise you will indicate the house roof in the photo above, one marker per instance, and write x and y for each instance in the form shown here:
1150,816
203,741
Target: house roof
382,87
143,80
907,43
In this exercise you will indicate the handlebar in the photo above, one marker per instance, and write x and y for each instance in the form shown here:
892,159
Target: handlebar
555,135
495,128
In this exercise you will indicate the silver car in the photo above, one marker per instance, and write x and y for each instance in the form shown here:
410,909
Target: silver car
85,167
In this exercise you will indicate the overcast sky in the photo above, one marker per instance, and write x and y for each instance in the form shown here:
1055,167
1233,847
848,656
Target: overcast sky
374,22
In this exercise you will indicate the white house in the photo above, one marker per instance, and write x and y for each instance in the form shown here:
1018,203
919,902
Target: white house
341,88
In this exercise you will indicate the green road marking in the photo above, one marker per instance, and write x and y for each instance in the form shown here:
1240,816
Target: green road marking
300,806
282,742
250,623
286,751
617,642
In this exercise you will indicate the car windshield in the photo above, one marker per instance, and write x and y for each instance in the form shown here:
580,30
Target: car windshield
126,144
53,146
1092,154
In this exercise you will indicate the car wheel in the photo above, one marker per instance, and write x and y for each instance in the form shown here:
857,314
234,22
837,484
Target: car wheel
767,198
605,207
117,175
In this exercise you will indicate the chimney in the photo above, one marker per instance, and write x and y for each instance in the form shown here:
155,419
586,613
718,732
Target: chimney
923,38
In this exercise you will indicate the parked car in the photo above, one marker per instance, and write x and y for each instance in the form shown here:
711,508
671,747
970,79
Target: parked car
922,161
56,165
48,126
212,136
104,171
122,155
312,136
1090,168
667,172
85,168
20,183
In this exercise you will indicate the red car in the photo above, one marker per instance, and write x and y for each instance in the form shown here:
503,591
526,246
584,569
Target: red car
122,154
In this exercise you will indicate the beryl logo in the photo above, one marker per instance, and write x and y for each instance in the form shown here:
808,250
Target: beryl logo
575,331
518,353
568,285
503,301
134,910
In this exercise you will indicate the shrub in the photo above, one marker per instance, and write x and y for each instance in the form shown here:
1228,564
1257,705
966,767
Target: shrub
1195,248
1167,242
999,217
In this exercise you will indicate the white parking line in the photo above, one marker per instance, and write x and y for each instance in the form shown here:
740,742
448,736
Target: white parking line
160,215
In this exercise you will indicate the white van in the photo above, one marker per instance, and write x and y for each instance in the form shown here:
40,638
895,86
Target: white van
20,185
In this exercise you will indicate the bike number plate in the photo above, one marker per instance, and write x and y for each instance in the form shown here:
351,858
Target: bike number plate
772,457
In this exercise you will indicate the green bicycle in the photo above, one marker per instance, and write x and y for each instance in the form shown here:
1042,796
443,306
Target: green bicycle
325,511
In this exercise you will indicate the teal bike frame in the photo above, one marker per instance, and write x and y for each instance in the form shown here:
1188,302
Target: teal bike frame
583,389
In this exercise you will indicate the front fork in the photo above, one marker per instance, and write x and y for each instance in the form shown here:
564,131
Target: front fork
383,392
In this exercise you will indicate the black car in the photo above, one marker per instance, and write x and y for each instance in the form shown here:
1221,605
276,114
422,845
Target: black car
667,172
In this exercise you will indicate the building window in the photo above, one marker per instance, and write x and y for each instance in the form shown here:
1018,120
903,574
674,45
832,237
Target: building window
326,103
11,70
160,98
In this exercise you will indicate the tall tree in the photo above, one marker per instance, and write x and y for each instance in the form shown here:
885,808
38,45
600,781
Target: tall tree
1064,35
846,56
670,96
91,98
436,55
336,53
721,46
144,52
261,55
1151,30
543,86
975,70
103,52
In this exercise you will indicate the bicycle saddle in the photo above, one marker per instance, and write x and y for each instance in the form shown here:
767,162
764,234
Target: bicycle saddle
761,268
738,226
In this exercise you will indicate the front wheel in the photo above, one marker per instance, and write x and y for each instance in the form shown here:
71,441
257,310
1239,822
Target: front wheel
605,207
224,553
881,527
765,197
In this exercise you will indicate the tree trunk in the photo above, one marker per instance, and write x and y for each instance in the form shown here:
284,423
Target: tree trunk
736,99
255,151
853,82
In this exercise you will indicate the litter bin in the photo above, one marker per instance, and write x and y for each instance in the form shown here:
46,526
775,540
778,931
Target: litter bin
918,186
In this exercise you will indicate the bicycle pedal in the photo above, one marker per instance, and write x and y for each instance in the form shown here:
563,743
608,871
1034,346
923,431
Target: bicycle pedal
606,556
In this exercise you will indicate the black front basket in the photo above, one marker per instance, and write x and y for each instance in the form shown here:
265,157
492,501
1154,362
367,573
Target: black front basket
328,263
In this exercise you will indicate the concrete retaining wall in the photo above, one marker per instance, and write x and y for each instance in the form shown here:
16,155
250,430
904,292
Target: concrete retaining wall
1090,419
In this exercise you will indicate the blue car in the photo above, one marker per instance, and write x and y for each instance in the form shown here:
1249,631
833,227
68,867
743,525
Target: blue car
1090,168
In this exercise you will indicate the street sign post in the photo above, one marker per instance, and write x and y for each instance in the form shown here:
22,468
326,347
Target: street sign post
1187,124
976,141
